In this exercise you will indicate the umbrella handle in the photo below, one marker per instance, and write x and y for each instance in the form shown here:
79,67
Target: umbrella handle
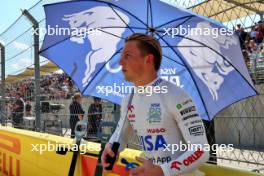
110,159
74,160
80,131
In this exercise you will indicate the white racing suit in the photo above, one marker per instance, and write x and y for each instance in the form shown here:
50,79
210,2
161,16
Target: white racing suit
163,121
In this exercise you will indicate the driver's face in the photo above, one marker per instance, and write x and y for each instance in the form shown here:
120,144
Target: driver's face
132,61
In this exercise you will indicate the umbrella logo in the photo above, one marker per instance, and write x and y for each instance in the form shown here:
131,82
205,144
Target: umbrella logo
207,64
104,45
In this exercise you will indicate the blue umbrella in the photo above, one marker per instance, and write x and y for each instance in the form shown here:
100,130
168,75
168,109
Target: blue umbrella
85,39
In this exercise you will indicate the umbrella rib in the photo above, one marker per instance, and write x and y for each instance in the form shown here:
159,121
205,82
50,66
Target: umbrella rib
76,35
173,60
122,27
178,25
151,13
108,3
112,34
190,75
184,46
147,16
101,69
55,44
176,19
121,18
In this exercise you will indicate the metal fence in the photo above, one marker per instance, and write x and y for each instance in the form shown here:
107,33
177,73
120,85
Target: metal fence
55,115
241,124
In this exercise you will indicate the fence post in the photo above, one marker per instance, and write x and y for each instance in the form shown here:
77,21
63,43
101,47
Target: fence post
2,49
36,66
261,16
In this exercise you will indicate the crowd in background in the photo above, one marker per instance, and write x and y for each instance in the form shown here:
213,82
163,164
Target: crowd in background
252,41
55,86
52,87
20,95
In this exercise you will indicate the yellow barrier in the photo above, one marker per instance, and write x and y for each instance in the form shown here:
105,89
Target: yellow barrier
20,155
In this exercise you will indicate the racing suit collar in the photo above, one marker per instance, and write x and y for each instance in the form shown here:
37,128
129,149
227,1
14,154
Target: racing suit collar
155,82
141,90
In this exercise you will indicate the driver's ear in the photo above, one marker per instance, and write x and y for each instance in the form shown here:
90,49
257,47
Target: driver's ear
150,59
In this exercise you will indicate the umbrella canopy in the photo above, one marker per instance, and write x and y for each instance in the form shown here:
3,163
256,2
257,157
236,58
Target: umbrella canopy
199,55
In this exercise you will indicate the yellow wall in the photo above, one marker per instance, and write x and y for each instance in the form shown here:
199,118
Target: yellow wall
18,159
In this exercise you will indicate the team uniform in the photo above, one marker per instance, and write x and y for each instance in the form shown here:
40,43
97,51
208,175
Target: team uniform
161,120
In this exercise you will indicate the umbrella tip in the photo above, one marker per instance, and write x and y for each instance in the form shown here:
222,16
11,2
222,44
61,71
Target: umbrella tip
152,29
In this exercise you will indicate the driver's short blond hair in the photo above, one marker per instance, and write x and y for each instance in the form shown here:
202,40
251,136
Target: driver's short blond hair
148,44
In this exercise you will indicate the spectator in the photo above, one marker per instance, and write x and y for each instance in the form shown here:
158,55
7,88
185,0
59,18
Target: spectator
242,35
259,36
252,46
18,111
253,32
262,50
261,28
76,112
28,109
94,116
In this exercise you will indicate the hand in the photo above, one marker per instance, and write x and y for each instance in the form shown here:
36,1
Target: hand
147,169
107,151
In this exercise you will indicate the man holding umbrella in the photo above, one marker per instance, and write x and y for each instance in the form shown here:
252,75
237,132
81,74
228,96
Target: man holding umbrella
165,119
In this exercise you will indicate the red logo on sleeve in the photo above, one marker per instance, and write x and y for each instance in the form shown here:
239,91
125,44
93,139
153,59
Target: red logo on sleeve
130,108
175,164
189,160
131,115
